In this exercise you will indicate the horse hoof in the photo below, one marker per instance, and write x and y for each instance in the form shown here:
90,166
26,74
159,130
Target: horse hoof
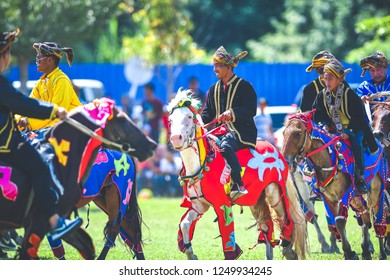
335,250
382,257
233,255
352,256
289,254
140,256
325,249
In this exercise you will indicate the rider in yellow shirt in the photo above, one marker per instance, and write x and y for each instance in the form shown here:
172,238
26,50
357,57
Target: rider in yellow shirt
54,86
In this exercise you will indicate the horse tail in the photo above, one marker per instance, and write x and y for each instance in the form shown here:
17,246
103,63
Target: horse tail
299,235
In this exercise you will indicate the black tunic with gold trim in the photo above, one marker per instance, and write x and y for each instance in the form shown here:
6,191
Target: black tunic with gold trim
240,97
351,113
11,102
310,92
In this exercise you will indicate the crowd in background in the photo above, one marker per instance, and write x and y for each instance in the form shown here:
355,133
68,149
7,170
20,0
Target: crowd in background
159,173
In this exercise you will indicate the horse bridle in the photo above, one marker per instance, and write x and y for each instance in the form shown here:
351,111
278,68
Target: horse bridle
125,148
299,156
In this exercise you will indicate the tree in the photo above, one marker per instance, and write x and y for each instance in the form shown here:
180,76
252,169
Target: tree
377,31
66,22
231,23
310,26
163,37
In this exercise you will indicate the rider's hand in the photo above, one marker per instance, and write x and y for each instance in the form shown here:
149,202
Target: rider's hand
22,122
225,116
326,128
344,136
61,113
365,98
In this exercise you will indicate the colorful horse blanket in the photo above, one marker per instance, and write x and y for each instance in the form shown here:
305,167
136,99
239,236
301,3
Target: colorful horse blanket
120,166
342,160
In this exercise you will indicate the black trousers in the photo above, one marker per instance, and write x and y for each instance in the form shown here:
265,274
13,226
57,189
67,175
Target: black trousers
28,160
229,145
357,151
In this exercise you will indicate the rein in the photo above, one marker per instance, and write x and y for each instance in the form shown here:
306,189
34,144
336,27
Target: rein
124,148
211,131
324,146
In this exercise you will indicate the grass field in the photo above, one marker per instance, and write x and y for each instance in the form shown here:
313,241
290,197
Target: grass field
162,216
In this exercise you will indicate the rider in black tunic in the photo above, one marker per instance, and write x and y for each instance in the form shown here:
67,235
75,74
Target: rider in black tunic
232,100
16,151
341,110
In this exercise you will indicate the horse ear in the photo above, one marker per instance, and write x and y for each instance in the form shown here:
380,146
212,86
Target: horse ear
310,114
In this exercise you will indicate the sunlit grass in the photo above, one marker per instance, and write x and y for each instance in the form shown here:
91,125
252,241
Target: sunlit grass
162,217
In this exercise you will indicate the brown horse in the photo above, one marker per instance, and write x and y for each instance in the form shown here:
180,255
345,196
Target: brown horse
381,130
333,165
71,154
111,185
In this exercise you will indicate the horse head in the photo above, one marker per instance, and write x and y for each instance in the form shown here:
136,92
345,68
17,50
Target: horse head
297,137
381,123
183,119
119,128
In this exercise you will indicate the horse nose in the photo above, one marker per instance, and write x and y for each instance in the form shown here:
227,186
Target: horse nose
378,135
176,139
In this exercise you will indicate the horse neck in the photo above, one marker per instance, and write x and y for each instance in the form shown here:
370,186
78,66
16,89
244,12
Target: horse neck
194,156
320,158
191,160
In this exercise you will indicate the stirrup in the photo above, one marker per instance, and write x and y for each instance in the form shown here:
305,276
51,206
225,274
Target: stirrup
237,191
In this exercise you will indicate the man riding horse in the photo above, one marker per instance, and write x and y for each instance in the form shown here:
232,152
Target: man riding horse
340,110
232,99
15,150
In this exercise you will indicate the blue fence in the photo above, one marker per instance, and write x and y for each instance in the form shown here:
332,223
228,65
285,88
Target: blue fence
278,82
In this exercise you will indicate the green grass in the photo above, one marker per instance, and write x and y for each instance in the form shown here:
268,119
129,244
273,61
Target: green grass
162,217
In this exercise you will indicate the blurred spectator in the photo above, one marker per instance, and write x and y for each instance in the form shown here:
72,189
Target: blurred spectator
263,122
126,105
198,94
152,109
167,179
148,170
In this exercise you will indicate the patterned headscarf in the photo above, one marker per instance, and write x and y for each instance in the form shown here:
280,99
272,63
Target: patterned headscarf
335,67
376,60
222,56
7,38
51,48
319,60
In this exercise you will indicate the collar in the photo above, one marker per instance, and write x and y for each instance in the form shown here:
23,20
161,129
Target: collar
51,74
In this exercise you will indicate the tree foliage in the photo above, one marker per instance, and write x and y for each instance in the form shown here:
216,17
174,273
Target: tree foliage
163,37
231,23
378,31
310,26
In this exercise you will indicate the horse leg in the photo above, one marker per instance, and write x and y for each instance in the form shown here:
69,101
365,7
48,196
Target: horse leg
341,221
82,242
186,232
303,190
333,244
231,250
379,211
261,213
274,198
109,201
325,248
130,232
130,229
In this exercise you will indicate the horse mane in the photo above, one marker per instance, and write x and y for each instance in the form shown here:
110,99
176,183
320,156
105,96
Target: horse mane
184,95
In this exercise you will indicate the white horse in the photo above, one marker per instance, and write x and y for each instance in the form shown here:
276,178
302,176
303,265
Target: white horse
206,181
